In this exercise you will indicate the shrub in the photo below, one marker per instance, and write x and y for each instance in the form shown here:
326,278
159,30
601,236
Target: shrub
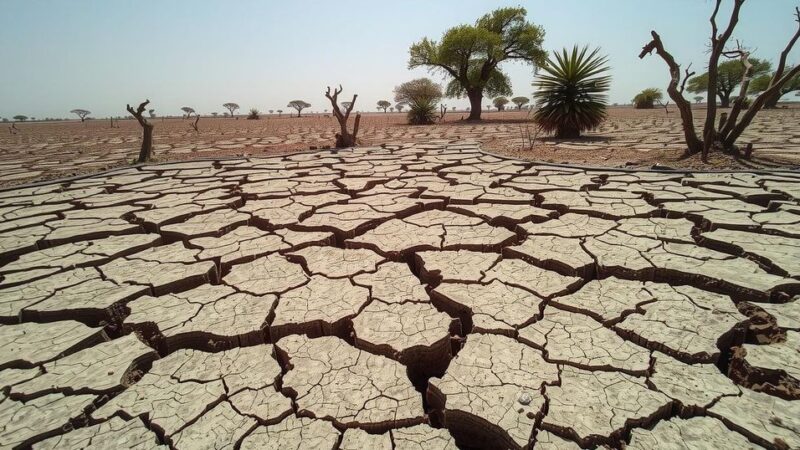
254,114
422,97
647,98
571,92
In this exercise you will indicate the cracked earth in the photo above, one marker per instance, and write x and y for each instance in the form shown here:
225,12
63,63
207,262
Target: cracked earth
417,296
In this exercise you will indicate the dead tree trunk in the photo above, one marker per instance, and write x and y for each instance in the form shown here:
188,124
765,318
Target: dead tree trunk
147,131
344,138
196,120
730,128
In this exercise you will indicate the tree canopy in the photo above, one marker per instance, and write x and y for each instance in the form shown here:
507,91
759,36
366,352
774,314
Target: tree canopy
230,106
761,83
187,110
471,54
647,98
384,105
299,105
729,75
500,103
82,113
21,118
520,101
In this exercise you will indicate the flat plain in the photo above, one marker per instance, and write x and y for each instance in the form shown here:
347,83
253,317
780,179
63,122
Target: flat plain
629,138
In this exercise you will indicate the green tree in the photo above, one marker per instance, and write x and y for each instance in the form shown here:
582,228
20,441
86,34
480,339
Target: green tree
471,54
20,118
698,98
384,105
647,98
520,101
299,105
571,92
762,82
729,75
422,96
82,113
230,106
500,103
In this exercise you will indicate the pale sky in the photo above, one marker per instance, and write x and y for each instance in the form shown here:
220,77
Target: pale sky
101,54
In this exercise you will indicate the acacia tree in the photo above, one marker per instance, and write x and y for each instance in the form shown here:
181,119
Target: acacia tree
384,105
299,105
762,83
230,106
698,99
729,75
500,103
399,107
147,131
344,138
188,111
471,54
520,101
731,128
20,118
82,113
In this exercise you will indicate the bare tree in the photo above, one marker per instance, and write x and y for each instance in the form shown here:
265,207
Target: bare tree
196,120
147,131
730,129
299,105
230,107
82,113
189,111
344,138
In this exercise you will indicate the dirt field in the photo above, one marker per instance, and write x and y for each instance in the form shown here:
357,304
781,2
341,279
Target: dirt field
423,296
629,138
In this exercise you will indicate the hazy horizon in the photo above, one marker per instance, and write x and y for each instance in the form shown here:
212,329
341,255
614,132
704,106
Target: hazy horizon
100,55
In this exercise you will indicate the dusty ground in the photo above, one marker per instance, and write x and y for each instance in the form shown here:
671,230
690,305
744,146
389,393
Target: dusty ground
630,138
414,297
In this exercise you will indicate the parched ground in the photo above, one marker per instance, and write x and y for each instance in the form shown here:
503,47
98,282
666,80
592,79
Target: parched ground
420,296
629,138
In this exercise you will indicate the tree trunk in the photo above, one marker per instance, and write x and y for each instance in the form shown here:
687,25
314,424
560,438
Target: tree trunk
147,143
725,100
475,100
772,101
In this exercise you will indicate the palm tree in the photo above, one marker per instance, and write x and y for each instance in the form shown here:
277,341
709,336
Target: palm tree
571,92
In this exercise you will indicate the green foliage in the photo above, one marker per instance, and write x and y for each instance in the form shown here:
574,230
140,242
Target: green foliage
21,118
698,99
384,105
647,98
729,75
760,83
470,54
571,92
254,114
520,101
422,96
500,103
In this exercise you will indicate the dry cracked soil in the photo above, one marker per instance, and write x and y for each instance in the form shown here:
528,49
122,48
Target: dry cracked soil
417,296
